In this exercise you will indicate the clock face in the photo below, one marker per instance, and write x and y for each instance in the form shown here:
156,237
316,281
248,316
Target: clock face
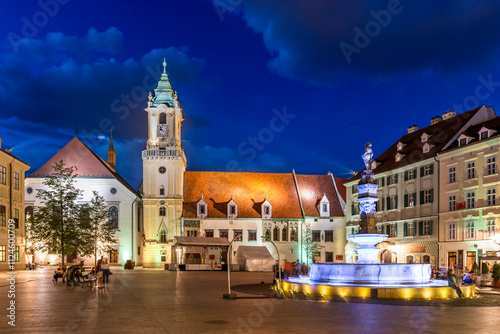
162,130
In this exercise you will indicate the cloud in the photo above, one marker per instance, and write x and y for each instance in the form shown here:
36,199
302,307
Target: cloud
303,37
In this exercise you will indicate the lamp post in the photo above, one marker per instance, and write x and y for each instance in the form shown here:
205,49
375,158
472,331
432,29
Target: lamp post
230,295
279,262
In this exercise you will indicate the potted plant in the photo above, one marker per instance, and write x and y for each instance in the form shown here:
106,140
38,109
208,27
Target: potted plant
129,265
496,275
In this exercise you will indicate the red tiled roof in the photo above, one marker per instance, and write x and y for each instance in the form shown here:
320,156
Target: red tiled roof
87,163
249,191
312,188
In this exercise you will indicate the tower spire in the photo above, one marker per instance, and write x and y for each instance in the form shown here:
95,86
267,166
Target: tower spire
111,152
163,93
164,66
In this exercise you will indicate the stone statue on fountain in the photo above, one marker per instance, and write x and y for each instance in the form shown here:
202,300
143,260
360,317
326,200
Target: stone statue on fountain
367,193
370,164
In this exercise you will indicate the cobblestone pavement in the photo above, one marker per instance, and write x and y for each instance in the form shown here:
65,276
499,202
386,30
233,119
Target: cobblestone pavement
157,301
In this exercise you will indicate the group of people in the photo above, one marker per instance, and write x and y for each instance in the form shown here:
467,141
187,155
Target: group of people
75,273
291,269
453,282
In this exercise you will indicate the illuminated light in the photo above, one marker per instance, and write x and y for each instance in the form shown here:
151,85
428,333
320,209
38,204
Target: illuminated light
126,256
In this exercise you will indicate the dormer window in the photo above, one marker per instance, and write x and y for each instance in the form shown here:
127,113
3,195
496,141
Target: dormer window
201,208
324,207
267,209
427,147
485,133
424,137
464,140
232,209
400,146
399,156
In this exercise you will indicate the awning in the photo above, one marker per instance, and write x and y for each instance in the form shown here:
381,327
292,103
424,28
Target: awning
200,241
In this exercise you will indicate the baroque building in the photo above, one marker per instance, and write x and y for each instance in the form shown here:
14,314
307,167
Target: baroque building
408,177
12,172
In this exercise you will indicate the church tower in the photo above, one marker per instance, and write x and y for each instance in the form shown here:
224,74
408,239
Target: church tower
164,163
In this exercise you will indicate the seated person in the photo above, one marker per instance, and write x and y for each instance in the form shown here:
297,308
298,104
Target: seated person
58,273
470,277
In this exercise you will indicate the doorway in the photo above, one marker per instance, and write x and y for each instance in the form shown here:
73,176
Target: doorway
452,259
113,256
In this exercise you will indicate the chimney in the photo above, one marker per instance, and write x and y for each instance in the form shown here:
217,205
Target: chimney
436,119
412,128
449,114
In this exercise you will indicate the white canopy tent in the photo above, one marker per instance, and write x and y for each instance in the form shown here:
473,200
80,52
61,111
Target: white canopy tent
254,258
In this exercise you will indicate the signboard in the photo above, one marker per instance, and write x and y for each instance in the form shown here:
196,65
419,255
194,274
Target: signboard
203,267
419,249
460,206
339,257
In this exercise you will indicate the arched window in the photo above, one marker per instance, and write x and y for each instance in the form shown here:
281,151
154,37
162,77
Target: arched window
284,234
162,211
276,234
113,217
28,212
267,234
163,118
409,259
162,191
426,259
293,235
163,236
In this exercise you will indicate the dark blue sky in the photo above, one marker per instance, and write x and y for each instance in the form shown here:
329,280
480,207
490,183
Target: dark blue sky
345,72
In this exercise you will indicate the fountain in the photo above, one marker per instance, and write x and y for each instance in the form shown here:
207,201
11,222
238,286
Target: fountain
368,277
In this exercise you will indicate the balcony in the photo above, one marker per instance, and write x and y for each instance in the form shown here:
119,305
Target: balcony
167,153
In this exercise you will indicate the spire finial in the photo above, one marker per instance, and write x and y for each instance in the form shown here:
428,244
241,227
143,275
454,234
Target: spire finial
164,66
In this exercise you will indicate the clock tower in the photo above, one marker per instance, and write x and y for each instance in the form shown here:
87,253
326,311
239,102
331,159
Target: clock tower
164,163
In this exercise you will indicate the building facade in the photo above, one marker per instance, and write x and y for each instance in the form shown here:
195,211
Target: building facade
408,177
12,172
469,206
94,174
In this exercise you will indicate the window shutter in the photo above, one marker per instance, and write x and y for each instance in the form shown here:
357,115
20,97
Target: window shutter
396,178
395,229
432,195
383,182
406,176
396,203
382,206
406,201
414,228
421,171
430,227
421,197
388,203
352,209
421,228
432,169
415,173
405,229
388,180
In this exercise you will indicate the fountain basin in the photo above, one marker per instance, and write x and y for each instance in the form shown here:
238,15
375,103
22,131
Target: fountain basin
370,273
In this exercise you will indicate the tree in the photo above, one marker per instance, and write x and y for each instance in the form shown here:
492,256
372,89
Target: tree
309,245
99,232
56,225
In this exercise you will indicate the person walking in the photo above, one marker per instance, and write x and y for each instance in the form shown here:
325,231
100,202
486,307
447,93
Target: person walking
299,268
452,282
99,272
105,271
287,269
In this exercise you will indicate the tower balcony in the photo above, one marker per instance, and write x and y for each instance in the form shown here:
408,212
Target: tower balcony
168,153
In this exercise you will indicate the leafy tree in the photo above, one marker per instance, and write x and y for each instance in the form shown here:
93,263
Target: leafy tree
98,232
309,246
56,225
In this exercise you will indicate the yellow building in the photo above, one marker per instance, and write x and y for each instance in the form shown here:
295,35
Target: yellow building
12,231
469,206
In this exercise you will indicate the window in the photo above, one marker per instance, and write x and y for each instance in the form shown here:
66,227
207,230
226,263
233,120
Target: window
293,235
202,209
252,235
113,217
470,231
471,170
452,174
16,181
328,256
471,200
427,170
452,231
163,211
426,228
163,258
426,148
139,250
266,210
410,175
393,179
209,233
223,234
484,134
452,203
490,227
392,202
426,196
16,254
232,209
16,218
162,170
192,233
112,191
392,230
410,200
355,209
3,175
139,219
163,118
3,216
3,253
316,235
238,235
491,165
325,207
284,234
276,234
328,236
28,213
491,196
162,191
463,142
410,231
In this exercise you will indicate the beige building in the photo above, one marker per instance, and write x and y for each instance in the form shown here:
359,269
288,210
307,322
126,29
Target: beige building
469,206
408,177
12,172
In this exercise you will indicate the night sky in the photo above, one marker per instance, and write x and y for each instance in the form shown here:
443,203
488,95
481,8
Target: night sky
266,86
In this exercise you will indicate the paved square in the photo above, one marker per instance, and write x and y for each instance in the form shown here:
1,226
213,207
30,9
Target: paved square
157,301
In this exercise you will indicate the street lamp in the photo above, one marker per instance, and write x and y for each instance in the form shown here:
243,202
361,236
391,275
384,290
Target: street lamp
230,295
279,261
